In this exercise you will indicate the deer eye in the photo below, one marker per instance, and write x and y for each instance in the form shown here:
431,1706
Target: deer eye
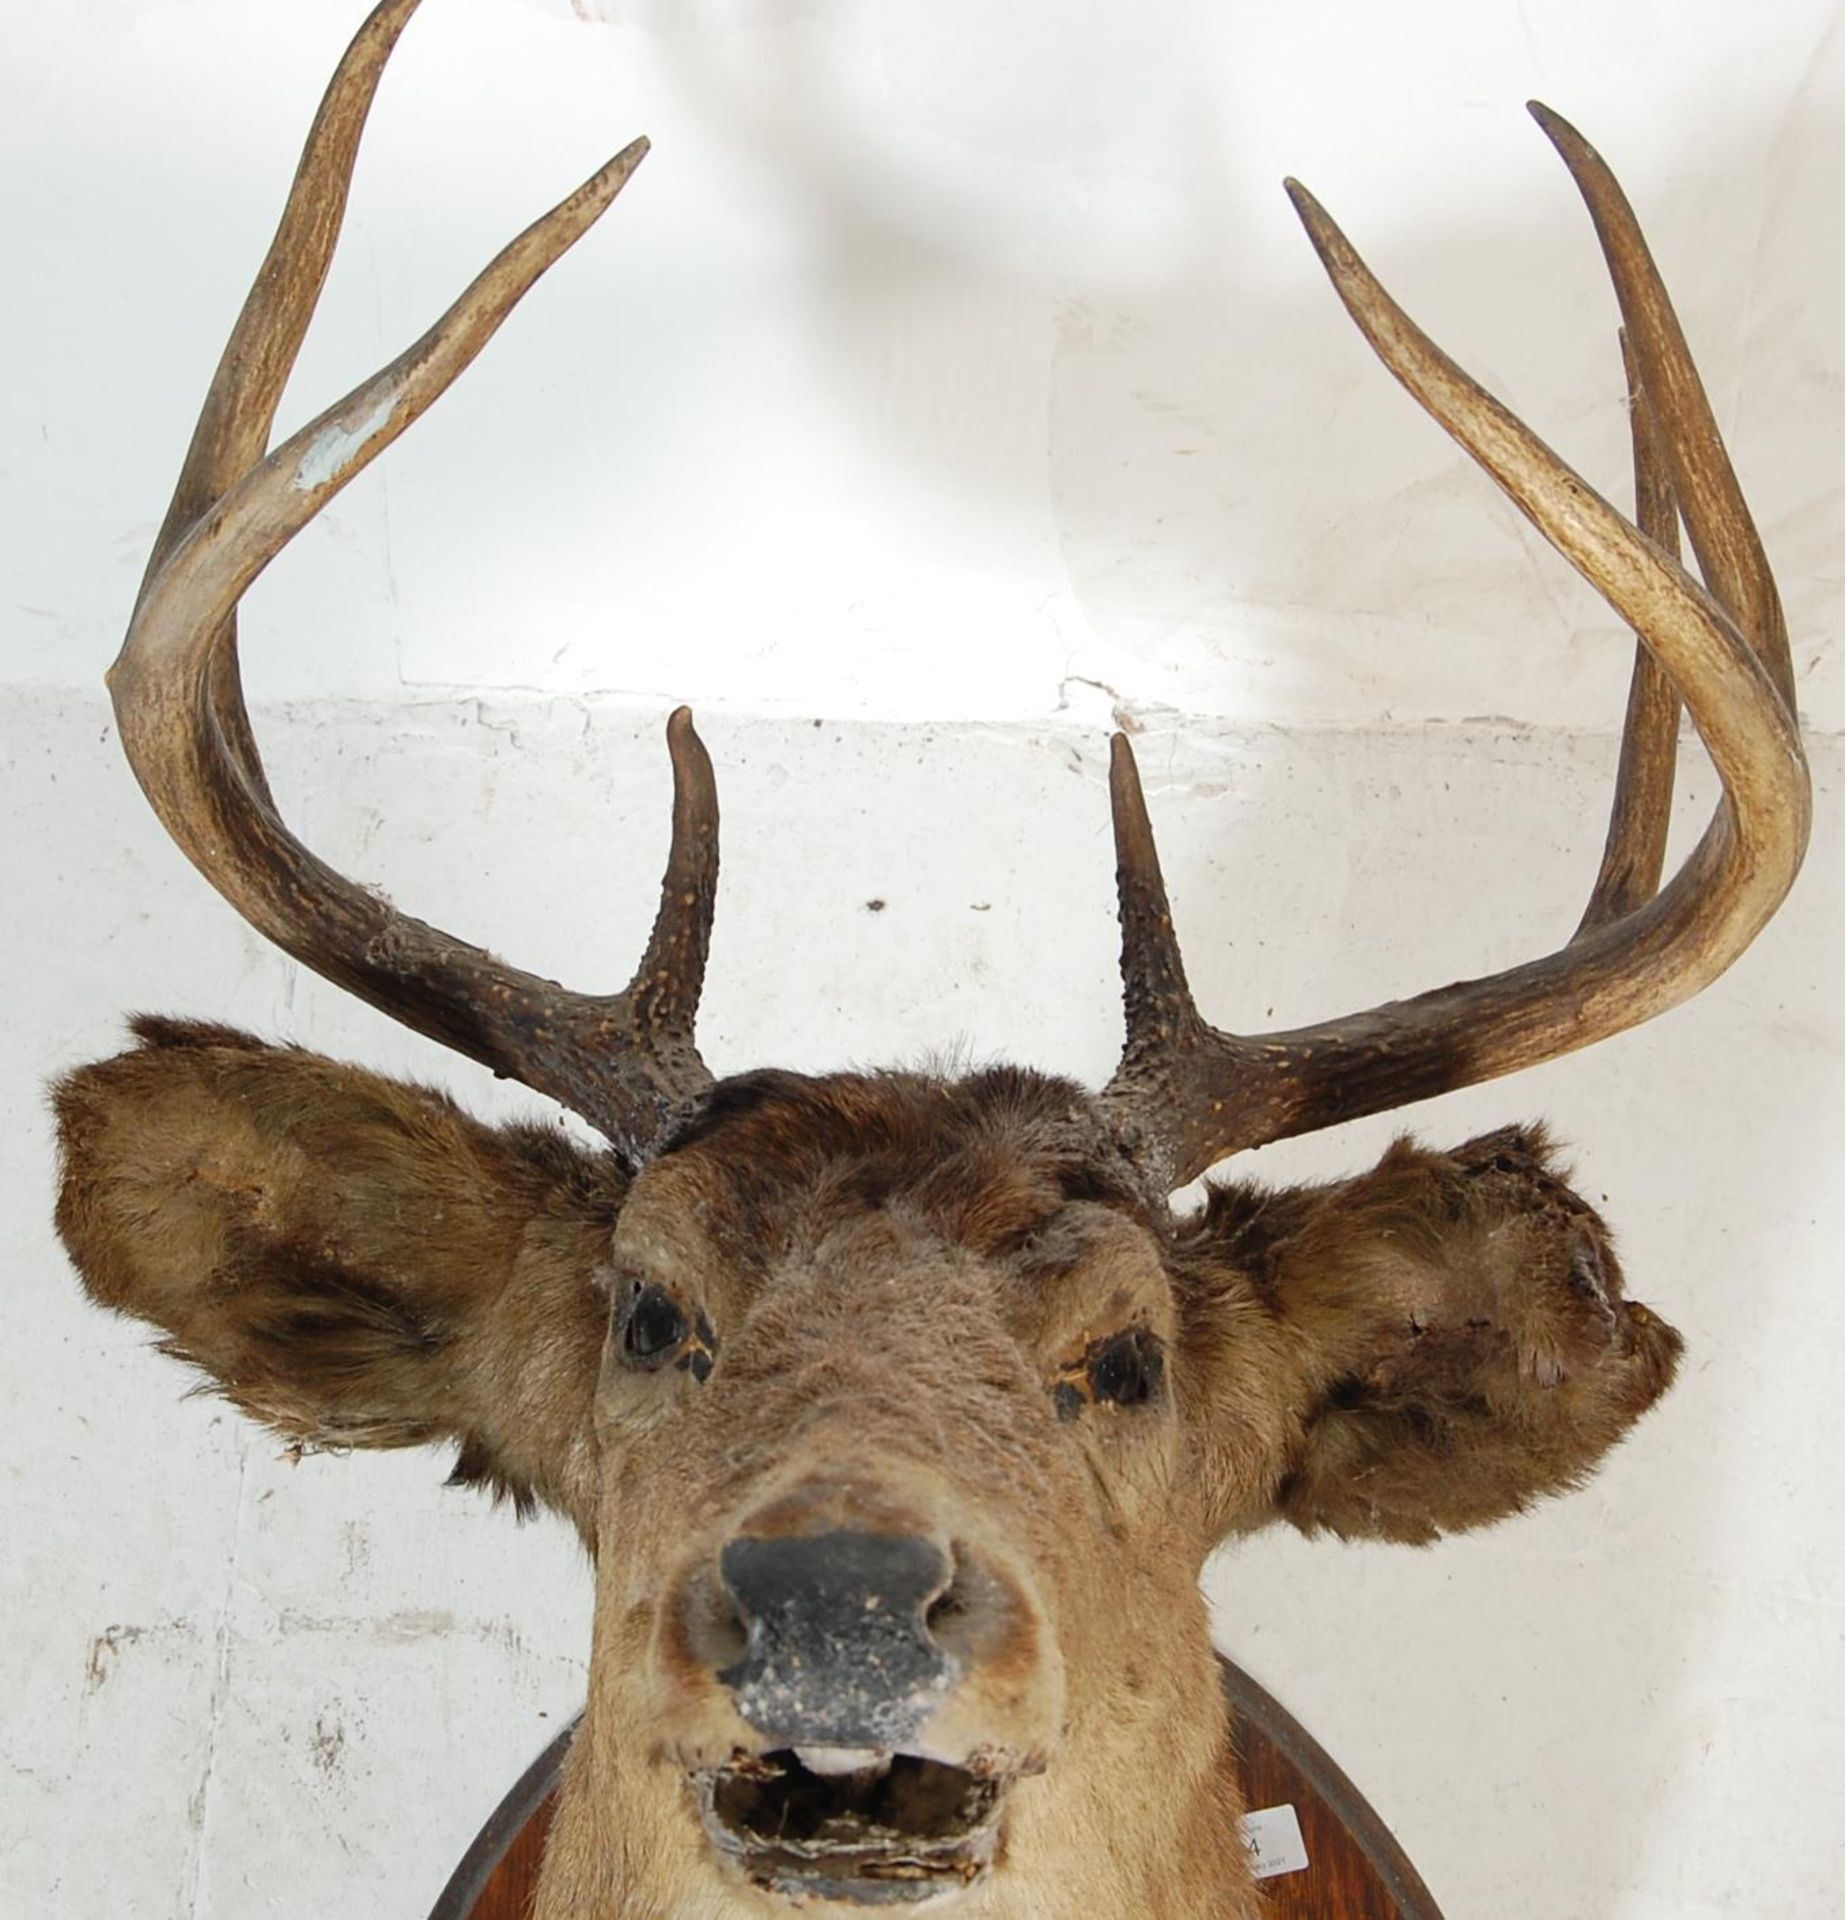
1123,1370
1128,1369
657,1331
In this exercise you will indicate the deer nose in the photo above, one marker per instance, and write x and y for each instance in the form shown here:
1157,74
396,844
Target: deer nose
838,1649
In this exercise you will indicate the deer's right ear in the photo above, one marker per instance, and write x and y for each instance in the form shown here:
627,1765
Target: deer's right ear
353,1261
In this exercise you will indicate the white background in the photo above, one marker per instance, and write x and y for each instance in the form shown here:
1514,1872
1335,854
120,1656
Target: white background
953,377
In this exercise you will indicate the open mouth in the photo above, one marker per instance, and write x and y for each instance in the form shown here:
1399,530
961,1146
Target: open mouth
873,1829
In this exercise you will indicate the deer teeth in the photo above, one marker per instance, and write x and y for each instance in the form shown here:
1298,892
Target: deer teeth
830,1762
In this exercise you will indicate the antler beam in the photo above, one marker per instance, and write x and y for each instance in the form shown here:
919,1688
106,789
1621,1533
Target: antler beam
1186,1094
627,1061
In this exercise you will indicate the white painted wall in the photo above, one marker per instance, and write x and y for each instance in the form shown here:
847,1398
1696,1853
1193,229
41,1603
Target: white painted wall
958,366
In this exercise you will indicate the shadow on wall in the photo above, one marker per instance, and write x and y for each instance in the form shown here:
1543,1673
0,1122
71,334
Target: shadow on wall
1001,382
1220,450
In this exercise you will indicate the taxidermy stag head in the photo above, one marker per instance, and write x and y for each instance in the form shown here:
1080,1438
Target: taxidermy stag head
937,1390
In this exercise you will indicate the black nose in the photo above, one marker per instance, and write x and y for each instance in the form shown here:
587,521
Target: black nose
839,1651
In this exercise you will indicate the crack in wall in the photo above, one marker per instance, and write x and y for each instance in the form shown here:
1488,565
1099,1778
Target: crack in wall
199,1807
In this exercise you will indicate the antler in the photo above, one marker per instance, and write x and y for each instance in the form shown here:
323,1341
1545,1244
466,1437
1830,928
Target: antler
627,1061
1186,1094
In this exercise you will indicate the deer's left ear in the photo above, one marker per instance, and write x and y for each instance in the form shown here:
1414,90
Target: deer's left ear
1428,1347
354,1261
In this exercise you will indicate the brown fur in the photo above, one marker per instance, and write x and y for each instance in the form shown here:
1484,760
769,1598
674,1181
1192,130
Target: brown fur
898,1269
351,1260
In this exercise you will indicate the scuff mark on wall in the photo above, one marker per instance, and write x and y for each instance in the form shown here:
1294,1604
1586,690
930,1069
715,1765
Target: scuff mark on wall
408,1626
103,1651
327,1746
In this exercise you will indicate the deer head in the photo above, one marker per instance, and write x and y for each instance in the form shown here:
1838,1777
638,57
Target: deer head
897,1410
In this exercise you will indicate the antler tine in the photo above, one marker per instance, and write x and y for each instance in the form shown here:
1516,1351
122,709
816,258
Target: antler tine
233,425
1723,532
627,1062
1634,856
232,433
1225,1091
1164,1029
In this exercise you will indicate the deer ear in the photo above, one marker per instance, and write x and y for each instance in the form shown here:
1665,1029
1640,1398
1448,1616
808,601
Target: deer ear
1450,1334
352,1260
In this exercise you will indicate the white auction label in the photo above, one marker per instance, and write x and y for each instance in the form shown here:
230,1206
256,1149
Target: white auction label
1271,1837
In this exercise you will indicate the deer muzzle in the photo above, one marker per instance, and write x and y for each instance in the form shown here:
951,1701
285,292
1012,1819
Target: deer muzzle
893,1684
